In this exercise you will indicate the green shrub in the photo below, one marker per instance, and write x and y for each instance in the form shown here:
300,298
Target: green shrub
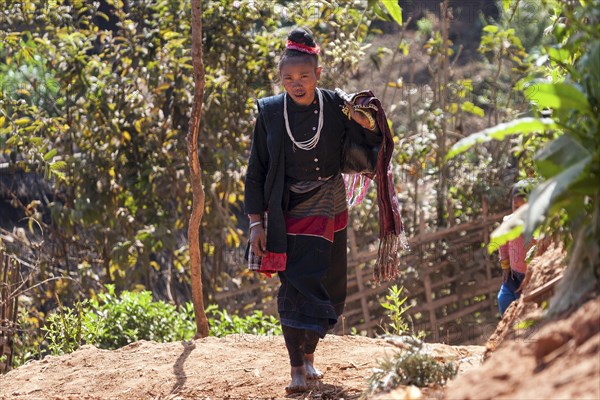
132,316
221,323
410,367
111,321
64,330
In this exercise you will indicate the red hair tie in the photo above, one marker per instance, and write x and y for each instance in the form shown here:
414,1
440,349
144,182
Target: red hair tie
302,47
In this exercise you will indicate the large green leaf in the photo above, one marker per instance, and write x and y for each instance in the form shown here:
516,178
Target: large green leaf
557,96
546,194
510,229
499,132
393,9
558,155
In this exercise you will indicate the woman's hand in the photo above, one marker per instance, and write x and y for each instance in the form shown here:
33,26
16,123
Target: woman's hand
258,240
362,119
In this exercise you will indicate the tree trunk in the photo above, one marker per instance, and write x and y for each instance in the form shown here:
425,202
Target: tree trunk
196,172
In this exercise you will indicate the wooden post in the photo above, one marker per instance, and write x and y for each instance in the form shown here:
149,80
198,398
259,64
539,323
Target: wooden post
4,302
427,278
9,280
486,241
421,235
196,173
360,282
430,307
442,135
450,210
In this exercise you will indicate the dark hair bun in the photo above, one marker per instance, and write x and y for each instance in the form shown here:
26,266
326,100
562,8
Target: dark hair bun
302,36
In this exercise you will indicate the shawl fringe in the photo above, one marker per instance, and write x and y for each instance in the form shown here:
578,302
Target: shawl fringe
393,241
356,188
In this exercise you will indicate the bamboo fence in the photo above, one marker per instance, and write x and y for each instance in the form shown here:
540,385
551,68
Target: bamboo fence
450,281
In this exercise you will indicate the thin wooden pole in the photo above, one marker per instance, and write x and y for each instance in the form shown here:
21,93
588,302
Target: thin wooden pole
14,310
486,240
360,283
196,172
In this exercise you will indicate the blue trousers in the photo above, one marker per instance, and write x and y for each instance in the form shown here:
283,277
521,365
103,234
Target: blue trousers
508,291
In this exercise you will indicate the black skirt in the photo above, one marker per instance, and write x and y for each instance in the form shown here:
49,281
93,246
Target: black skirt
313,286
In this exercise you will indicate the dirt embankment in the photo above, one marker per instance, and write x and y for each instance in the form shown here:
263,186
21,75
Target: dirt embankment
532,356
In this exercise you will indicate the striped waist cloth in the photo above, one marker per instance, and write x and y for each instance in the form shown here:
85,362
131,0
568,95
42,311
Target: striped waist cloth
320,212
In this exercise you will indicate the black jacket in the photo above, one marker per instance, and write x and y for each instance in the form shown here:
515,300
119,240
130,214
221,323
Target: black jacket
265,185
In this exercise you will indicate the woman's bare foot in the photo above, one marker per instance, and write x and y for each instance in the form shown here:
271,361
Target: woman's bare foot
311,371
298,380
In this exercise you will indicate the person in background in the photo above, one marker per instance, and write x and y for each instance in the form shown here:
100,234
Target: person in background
513,254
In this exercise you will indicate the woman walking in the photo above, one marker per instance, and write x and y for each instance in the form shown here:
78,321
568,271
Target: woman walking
296,199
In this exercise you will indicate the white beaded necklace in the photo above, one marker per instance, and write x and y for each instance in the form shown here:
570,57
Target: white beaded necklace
311,143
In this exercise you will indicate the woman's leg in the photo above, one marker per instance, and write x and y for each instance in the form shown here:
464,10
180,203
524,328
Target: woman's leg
311,339
335,282
294,342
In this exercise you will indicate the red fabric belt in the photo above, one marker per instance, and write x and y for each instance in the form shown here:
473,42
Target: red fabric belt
321,226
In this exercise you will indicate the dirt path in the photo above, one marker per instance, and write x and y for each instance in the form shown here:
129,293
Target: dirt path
237,366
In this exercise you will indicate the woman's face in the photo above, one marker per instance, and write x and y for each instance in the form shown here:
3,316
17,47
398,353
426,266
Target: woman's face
300,81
